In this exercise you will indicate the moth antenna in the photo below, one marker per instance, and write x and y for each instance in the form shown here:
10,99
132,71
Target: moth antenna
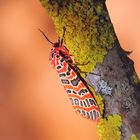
45,36
64,29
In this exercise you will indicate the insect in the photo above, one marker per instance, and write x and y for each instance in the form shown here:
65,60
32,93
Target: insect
78,92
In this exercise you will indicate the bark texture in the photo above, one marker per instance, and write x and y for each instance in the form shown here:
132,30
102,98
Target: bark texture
90,37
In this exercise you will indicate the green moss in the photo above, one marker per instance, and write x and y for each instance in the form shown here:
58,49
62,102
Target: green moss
109,128
134,137
135,78
89,32
99,9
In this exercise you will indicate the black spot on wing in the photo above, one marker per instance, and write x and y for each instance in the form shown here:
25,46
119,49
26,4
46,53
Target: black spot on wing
69,68
72,102
84,104
52,55
76,101
83,91
92,102
62,75
87,102
67,73
65,81
83,112
58,67
88,115
98,115
91,115
57,56
94,114
78,110
75,81
74,92
69,91
81,103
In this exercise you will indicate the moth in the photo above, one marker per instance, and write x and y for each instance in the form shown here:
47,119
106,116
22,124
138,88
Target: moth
78,92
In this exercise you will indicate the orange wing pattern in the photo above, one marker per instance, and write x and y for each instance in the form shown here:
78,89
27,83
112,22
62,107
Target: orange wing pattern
79,94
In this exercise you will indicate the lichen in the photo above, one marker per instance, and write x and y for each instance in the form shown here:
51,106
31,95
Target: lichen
133,137
89,32
100,85
104,88
109,128
135,79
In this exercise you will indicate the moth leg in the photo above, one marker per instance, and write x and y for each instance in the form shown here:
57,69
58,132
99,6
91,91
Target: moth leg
89,73
81,64
74,65
78,69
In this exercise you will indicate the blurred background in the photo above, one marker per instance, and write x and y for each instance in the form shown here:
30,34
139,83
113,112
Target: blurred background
33,103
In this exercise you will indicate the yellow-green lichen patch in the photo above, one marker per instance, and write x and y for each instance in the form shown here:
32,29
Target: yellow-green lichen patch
134,137
109,128
99,9
89,32
135,78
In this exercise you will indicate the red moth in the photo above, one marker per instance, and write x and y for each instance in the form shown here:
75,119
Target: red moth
79,94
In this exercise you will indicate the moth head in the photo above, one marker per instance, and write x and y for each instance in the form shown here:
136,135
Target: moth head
56,45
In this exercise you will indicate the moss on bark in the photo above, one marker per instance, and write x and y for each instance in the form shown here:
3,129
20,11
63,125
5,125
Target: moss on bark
109,128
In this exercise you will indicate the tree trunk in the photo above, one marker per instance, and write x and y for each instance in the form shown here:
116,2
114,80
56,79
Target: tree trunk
90,37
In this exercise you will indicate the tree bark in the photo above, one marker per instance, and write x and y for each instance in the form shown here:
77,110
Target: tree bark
90,37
